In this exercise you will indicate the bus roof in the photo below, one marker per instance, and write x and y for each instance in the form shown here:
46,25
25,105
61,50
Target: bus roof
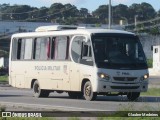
80,31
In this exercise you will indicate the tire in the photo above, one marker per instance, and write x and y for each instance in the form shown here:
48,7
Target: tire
75,95
89,95
132,96
39,92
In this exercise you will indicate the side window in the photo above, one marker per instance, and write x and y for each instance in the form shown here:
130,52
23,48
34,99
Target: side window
76,48
86,57
14,49
37,49
41,49
45,49
61,48
28,49
22,49
18,49
52,53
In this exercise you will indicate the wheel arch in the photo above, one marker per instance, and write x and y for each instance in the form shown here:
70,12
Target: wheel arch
83,82
32,82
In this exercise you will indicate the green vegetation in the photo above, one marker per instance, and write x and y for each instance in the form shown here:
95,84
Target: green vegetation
69,14
4,78
150,63
3,53
152,92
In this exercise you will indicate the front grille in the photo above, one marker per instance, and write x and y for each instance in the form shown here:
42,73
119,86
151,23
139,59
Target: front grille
124,87
124,78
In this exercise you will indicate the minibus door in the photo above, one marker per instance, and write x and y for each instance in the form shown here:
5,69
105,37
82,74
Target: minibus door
75,52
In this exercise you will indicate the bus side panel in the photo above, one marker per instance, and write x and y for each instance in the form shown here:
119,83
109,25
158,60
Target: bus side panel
51,75
66,75
11,76
17,72
42,72
89,73
74,77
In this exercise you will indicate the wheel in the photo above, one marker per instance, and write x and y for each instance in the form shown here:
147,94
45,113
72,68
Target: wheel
39,92
75,95
133,95
88,92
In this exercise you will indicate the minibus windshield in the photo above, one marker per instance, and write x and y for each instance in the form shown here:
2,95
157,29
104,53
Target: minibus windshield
118,51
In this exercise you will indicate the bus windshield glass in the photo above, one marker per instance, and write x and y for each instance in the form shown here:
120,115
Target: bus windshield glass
118,51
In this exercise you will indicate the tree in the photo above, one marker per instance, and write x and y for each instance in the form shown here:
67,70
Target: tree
144,11
3,53
148,11
40,13
55,10
22,11
84,12
62,12
101,12
158,13
120,12
133,10
4,6
70,11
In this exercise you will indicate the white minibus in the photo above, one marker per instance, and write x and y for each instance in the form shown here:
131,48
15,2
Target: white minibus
82,62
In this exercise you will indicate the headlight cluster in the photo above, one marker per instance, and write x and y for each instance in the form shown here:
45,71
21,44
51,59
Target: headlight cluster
144,77
103,76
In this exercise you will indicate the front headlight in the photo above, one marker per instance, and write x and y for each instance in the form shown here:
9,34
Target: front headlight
103,76
144,77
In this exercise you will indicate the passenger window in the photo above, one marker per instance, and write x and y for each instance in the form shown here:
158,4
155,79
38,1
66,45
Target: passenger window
61,48
76,48
22,49
19,44
52,48
41,49
37,49
14,49
28,49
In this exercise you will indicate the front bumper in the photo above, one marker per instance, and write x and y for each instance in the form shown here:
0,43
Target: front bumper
122,87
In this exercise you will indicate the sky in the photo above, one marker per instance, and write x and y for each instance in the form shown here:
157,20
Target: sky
91,5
